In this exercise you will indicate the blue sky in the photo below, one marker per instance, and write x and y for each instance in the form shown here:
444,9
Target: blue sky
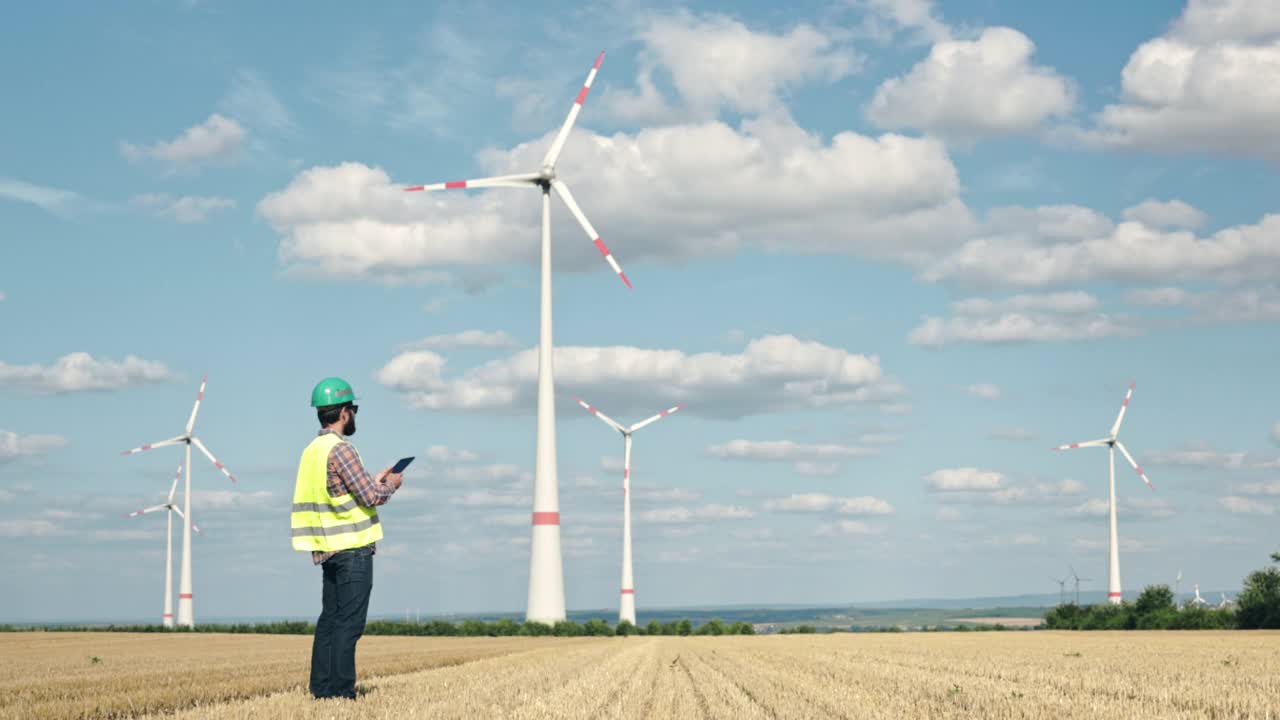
887,252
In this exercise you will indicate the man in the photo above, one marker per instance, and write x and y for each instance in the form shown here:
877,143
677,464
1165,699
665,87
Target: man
334,518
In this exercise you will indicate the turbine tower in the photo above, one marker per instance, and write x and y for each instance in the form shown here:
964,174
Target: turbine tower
1112,442
1062,590
546,571
167,618
186,608
627,601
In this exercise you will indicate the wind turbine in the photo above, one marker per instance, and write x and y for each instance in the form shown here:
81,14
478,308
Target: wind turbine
1062,589
1176,584
1112,442
186,610
546,573
167,618
627,603
1198,601
1078,581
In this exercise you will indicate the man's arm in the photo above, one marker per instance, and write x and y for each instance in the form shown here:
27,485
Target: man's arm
366,489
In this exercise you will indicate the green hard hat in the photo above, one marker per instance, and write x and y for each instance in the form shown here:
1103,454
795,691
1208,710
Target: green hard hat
332,391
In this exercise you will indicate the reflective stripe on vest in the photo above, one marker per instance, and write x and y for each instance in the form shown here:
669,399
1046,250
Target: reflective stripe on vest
323,523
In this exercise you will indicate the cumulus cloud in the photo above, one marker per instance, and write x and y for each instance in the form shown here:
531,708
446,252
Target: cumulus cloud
706,513
768,184
806,459
821,503
919,16
716,62
446,454
845,527
465,339
1144,507
1199,454
1238,505
1051,317
965,478
1021,252
80,371
968,89
49,199
187,210
14,446
984,391
970,485
772,373
1206,85
218,140
1168,214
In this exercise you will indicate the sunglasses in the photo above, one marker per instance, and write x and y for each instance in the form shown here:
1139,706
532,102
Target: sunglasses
353,409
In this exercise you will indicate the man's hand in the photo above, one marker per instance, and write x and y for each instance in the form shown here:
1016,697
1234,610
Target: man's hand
386,477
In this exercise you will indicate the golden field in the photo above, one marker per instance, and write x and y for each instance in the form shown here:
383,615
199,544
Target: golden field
945,675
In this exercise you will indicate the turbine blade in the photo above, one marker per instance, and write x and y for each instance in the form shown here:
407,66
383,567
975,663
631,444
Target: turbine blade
178,510
553,153
656,418
144,511
522,180
163,443
213,459
174,487
604,418
1115,429
1136,469
563,191
191,422
1088,443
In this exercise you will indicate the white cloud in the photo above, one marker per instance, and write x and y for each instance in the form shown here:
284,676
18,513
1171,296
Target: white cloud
817,502
79,371
770,184
217,140
984,391
28,528
1131,251
816,460
1154,508
845,527
706,513
14,446
1048,317
252,101
971,89
187,210
1206,85
1270,489
715,62
446,454
964,479
53,200
1170,214
465,339
1245,506
666,495
1016,434
772,373
948,513
1066,303
1205,455
490,498
203,501
1250,304
917,15
1158,297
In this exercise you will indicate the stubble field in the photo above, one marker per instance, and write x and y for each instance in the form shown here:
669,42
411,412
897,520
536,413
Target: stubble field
980,675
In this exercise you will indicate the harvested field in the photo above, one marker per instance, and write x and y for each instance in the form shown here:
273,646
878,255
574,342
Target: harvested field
946,675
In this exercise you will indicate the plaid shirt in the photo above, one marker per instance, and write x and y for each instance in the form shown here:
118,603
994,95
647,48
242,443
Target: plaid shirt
348,476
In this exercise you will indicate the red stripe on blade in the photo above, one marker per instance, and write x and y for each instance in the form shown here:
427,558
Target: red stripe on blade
599,59
546,518
456,184
582,95
625,280
415,188
604,249
185,596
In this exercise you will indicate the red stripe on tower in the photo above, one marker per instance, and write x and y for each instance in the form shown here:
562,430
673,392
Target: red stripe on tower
628,591
185,596
1113,594
546,518
455,185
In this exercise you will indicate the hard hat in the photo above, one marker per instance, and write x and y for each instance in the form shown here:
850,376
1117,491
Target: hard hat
332,391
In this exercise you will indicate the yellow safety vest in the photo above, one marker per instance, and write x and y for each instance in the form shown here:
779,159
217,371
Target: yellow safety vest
321,522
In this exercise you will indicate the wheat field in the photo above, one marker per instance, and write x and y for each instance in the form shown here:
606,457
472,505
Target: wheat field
945,675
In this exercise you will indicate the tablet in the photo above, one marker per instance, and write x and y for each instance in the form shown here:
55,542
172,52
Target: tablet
401,464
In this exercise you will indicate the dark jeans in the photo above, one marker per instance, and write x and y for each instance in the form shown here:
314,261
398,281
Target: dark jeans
348,580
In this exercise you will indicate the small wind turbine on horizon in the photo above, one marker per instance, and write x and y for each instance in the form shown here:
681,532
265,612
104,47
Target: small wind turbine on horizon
1062,589
627,601
1112,442
167,618
1078,580
186,605
546,571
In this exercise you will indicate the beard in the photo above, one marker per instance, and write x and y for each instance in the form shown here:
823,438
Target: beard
350,428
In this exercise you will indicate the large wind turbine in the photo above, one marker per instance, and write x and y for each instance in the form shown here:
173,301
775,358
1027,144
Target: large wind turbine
546,572
627,602
167,618
186,611
1112,442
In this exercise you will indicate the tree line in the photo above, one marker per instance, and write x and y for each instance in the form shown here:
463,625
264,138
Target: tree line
436,628
1257,607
